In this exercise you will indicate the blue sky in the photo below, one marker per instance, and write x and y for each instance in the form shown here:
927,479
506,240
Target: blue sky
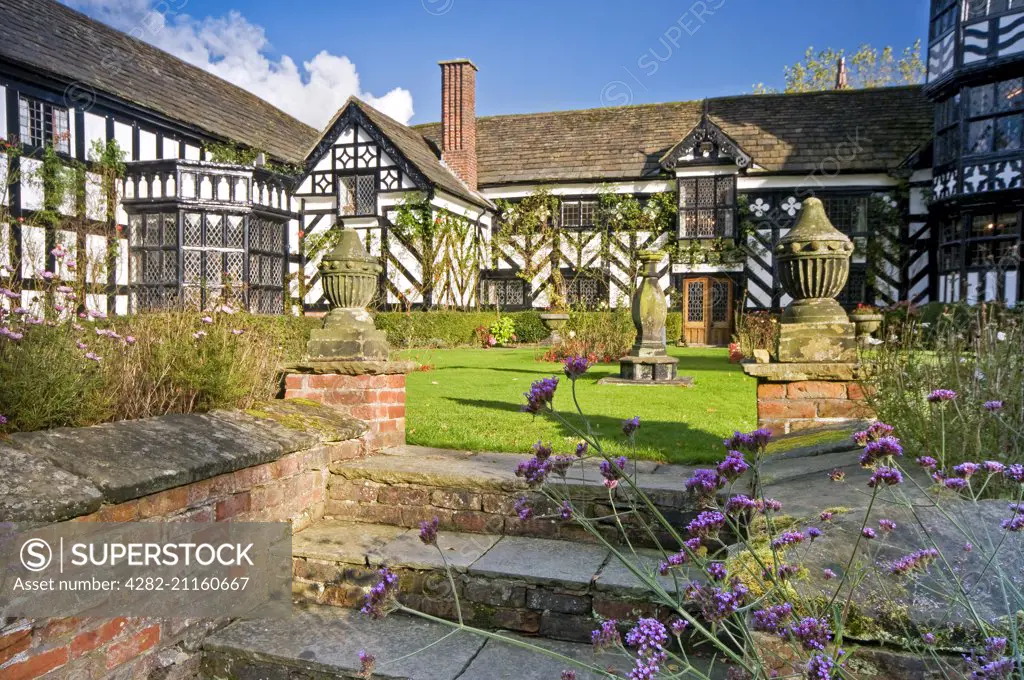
538,55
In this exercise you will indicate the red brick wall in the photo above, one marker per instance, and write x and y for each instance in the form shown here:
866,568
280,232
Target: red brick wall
458,119
292,488
804,404
377,400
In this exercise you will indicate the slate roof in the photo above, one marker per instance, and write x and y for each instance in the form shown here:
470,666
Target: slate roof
46,35
866,130
413,146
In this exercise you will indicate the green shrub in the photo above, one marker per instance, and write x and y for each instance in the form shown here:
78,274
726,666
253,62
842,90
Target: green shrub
976,352
503,330
451,329
757,330
76,374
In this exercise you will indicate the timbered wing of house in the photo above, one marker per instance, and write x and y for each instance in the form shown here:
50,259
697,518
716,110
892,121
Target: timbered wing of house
363,169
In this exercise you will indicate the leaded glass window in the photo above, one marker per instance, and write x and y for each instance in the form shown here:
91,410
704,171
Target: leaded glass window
585,289
43,124
357,195
707,207
995,117
505,293
579,214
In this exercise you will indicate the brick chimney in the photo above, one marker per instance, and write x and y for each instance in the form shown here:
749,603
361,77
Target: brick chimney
458,118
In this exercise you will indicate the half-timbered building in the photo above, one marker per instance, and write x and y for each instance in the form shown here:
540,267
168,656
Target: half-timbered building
925,180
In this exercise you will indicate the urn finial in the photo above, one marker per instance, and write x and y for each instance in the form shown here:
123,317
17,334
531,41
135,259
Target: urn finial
814,264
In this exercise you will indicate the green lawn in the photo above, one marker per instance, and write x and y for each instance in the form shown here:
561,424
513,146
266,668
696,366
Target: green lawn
472,399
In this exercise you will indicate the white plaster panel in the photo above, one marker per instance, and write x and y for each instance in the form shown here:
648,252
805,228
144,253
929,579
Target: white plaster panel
96,302
95,132
192,152
31,184
1011,288
171,147
973,288
123,135
363,137
122,262
95,258
991,286
33,251
147,145
121,305
3,111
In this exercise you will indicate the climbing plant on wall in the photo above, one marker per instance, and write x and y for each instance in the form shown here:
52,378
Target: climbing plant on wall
528,230
632,225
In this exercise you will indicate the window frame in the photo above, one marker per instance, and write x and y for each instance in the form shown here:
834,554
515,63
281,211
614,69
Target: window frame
992,115
718,207
355,177
578,204
1010,7
59,136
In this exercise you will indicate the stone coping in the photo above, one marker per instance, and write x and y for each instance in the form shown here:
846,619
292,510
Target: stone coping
55,475
348,367
798,371
428,466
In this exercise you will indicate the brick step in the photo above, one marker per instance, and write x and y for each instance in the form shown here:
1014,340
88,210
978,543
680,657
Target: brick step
476,493
321,643
556,589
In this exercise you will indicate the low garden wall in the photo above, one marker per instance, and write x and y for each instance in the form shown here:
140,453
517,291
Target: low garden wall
269,464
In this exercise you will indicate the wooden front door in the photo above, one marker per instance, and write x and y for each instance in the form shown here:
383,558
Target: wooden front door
707,311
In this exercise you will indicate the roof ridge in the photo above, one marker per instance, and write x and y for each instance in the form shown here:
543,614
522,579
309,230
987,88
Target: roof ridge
694,102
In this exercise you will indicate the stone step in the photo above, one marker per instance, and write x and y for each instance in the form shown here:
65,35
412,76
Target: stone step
318,643
476,492
553,588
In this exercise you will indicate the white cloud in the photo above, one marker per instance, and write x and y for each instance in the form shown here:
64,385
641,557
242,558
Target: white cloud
237,50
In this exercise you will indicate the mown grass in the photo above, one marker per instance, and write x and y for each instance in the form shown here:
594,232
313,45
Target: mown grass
472,399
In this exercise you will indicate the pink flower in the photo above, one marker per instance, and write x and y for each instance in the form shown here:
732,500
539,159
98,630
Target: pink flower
207,319
92,356
237,331
199,334
129,340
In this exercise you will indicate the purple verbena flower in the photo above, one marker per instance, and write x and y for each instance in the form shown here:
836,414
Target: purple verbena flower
1015,523
826,515
939,396
886,526
768,504
522,508
733,466
965,470
880,448
606,636
568,675
611,470
1015,473
739,503
542,451
649,637
541,394
788,538
717,572
813,532
575,366
582,448
927,462
993,467
679,626
955,483
928,638
828,574
708,523
630,426
868,532
534,471
885,475
704,483
566,512
381,597
993,405
915,561
837,475
367,663
811,632
821,667
772,619
428,531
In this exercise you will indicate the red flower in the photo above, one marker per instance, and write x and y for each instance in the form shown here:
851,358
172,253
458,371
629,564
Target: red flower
302,234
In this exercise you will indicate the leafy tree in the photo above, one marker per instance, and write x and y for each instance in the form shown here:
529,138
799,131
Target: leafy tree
867,67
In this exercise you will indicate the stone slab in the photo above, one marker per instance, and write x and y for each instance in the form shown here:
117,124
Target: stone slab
618,577
685,381
460,550
798,371
32,489
129,459
346,542
351,367
504,661
324,642
542,561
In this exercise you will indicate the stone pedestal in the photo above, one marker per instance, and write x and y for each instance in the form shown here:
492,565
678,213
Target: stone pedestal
817,341
347,333
370,391
647,362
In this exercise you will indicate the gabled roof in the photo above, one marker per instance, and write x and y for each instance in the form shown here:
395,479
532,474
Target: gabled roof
406,140
864,130
705,144
47,36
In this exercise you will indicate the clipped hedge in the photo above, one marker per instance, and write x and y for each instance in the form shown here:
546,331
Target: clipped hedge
451,329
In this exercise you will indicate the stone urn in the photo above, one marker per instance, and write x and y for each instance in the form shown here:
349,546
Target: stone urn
554,322
813,262
349,278
867,323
